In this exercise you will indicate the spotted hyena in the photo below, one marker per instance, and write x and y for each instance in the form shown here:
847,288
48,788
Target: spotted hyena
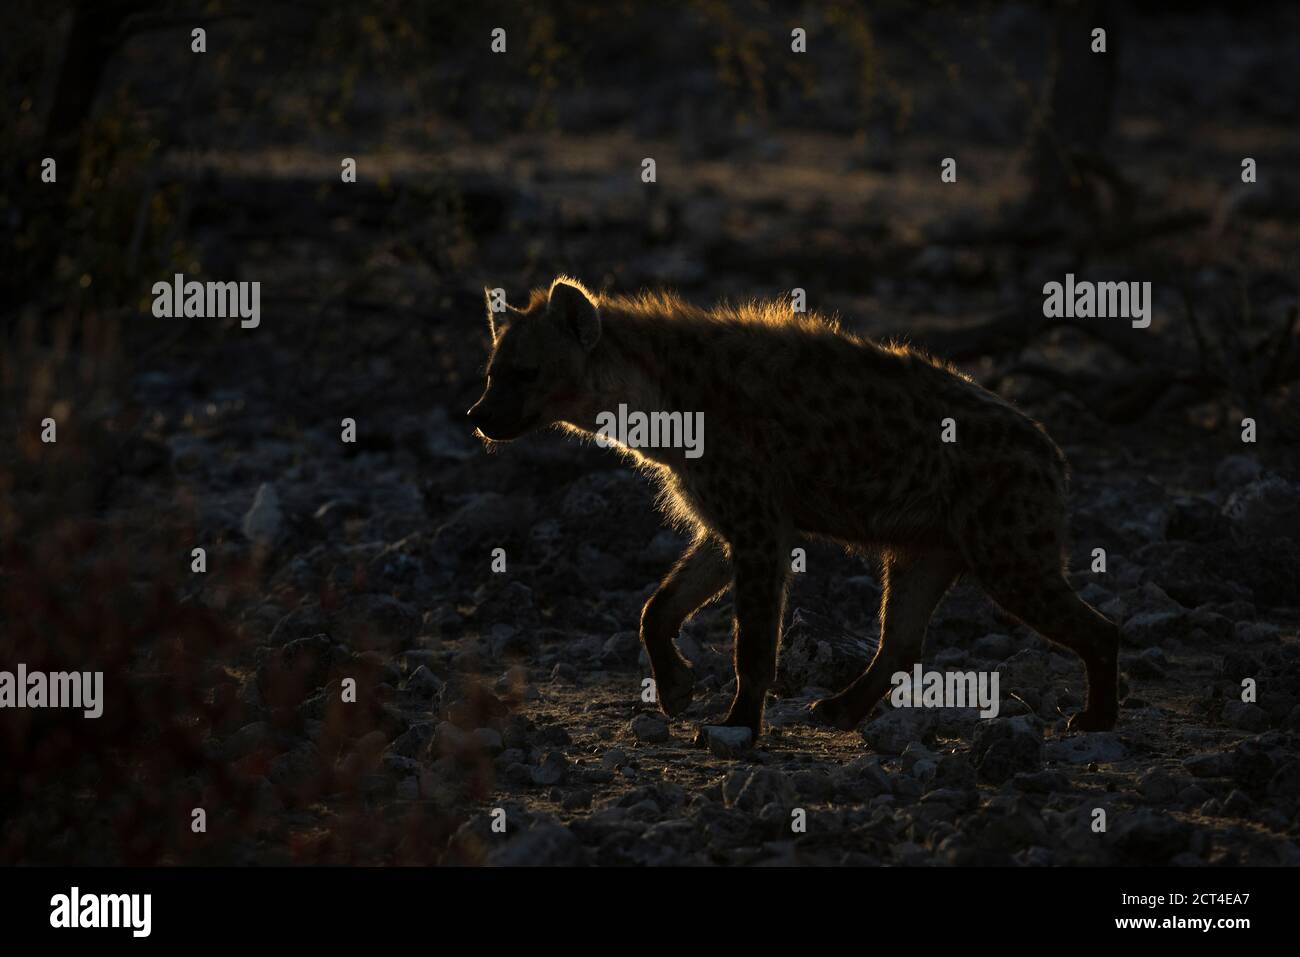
811,432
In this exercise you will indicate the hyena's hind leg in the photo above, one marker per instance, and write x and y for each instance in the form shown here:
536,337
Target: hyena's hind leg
1044,601
914,585
1018,557
700,575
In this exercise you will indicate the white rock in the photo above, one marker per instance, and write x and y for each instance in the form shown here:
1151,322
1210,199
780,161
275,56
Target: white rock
1100,746
263,522
727,742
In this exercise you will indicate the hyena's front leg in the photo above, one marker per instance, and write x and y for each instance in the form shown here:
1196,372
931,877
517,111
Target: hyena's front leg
760,582
700,575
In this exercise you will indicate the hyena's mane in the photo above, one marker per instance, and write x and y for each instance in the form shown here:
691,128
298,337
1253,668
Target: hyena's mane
666,305
901,347
661,305
777,316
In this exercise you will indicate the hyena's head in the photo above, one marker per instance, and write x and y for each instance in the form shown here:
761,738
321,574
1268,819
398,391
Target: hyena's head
537,372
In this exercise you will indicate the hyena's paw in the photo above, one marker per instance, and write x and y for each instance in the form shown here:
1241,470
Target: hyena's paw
1094,720
675,687
831,714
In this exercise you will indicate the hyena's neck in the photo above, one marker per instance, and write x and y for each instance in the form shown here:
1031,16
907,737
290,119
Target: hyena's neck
630,367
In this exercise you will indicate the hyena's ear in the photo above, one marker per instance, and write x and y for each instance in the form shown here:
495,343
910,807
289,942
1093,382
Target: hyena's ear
572,306
498,312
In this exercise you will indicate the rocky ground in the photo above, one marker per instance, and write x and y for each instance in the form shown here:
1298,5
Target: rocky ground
350,681
523,691
520,694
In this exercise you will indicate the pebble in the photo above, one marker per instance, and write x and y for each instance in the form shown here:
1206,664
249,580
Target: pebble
1245,716
576,800
543,845
1004,747
892,731
1149,836
1102,747
263,522
554,769
648,729
423,682
1150,664
753,790
1208,765
1158,786
1154,627
727,742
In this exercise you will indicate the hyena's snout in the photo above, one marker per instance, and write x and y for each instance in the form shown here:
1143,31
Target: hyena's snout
486,418
500,420
478,412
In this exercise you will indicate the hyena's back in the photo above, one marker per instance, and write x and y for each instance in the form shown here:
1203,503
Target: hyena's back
847,437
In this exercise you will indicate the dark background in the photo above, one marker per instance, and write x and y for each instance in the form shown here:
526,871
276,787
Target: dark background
521,691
